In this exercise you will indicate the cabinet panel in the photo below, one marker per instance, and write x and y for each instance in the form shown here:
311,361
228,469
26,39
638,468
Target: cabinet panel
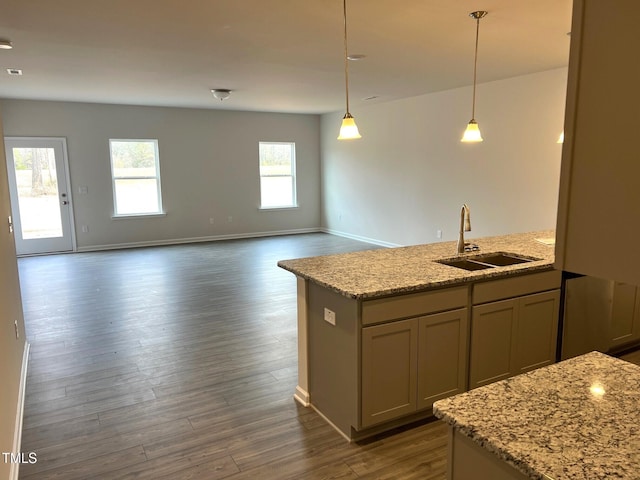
389,371
599,175
505,288
625,324
413,305
442,356
492,337
537,331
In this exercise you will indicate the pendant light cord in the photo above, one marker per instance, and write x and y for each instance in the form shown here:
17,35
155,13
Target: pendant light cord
475,69
346,58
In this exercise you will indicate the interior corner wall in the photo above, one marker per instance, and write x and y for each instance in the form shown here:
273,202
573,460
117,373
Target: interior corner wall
208,167
409,175
12,347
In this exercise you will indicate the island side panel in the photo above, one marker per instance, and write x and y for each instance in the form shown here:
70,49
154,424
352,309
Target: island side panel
302,390
333,357
468,460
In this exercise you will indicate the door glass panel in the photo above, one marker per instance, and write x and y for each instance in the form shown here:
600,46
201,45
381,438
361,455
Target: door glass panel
38,195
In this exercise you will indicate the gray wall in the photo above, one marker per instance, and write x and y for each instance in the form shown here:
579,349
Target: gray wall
409,175
208,165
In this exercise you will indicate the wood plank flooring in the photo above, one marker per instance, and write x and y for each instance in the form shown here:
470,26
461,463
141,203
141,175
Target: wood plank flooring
180,363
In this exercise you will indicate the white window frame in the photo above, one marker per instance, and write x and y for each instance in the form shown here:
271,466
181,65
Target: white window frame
294,187
160,211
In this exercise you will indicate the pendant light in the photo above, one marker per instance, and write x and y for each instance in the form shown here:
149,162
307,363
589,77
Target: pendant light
472,133
349,129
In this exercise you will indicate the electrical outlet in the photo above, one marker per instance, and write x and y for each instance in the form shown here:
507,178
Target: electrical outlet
330,316
85,229
15,324
438,233
210,220
229,219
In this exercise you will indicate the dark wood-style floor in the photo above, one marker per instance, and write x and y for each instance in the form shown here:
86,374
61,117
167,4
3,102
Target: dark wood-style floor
180,363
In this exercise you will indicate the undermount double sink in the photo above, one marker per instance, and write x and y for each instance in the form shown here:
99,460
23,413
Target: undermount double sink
486,260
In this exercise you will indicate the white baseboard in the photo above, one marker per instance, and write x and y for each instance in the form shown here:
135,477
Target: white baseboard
17,437
179,241
372,241
302,396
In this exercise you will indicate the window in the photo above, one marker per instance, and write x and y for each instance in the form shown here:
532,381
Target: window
277,175
135,170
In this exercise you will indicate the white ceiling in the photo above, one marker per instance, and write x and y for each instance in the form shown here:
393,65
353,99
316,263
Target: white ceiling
276,55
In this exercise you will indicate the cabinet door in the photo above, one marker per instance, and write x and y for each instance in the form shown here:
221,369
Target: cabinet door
442,356
536,331
625,324
389,371
492,342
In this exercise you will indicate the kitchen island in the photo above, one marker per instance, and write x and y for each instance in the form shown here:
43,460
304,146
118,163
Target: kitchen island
574,420
384,333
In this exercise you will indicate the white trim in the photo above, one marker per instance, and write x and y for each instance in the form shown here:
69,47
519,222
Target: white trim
17,436
302,397
373,241
138,215
284,207
214,238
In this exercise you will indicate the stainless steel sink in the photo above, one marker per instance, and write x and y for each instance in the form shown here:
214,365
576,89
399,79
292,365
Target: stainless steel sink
486,260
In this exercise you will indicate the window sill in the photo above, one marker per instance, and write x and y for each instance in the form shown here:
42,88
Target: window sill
138,215
288,207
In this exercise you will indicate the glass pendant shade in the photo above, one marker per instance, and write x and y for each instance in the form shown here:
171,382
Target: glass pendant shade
472,133
349,129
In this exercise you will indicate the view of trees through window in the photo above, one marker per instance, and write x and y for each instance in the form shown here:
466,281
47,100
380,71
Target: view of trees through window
277,175
136,177
37,185
36,171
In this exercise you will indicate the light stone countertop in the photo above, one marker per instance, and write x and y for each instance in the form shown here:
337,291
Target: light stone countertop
575,420
391,271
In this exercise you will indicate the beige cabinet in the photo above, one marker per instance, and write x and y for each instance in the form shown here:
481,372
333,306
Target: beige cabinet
389,371
513,335
442,356
409,364
536,331
597,226
492,342
378,363
624,327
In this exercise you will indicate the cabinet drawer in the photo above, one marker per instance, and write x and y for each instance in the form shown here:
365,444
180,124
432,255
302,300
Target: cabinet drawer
515,286
413,305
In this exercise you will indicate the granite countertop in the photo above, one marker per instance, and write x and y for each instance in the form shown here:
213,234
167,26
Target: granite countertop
575,420
391,271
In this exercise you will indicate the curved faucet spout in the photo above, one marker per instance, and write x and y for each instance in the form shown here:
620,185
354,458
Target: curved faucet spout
465,226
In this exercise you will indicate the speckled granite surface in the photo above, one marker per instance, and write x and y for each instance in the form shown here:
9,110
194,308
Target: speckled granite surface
574,420
388,271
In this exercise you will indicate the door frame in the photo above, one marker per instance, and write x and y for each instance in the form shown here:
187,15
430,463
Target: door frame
69,192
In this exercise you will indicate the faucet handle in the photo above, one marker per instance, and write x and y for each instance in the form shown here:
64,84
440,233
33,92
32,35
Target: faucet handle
471,247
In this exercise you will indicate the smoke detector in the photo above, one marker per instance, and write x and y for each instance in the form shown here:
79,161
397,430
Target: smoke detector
221,93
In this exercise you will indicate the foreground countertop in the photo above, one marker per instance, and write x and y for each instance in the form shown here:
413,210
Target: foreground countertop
574,420
390,271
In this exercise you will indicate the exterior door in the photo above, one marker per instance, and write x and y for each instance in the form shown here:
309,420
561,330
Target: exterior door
40,199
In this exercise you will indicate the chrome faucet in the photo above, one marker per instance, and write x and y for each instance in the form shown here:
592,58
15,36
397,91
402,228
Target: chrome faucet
465,226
